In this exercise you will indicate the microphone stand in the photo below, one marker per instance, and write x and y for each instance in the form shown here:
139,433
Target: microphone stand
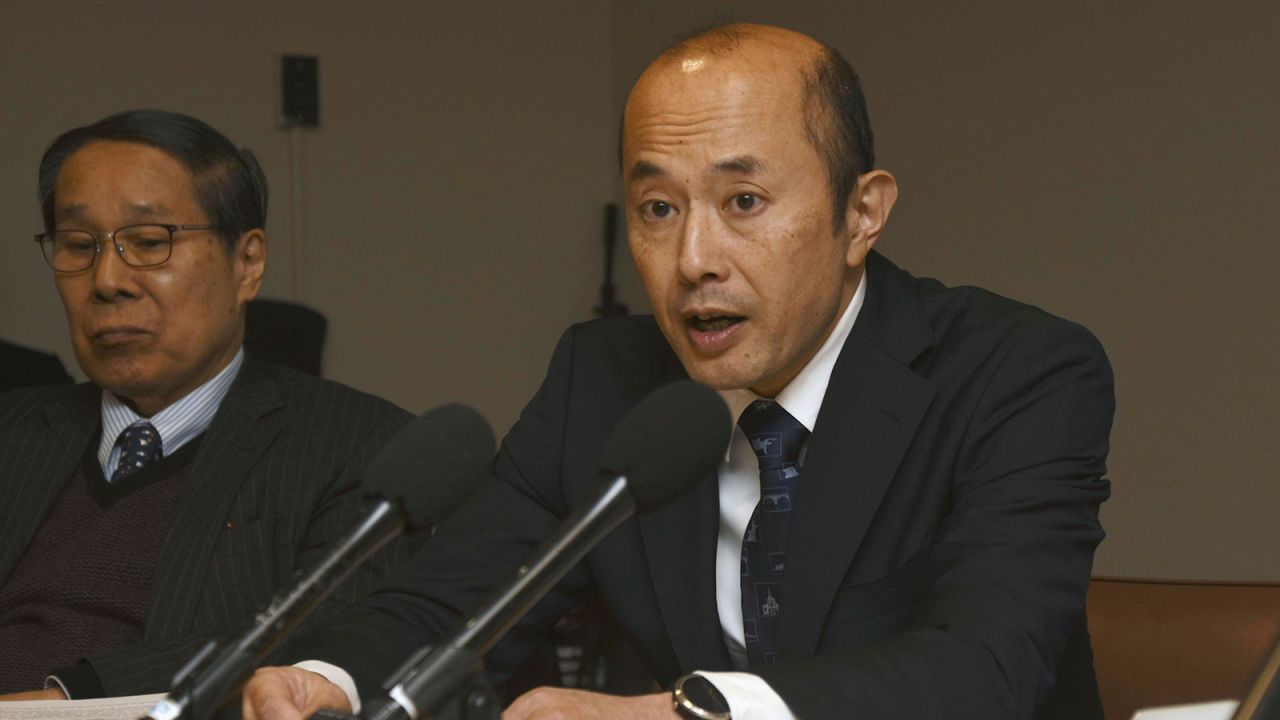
435,678
206,682
609,304
472,698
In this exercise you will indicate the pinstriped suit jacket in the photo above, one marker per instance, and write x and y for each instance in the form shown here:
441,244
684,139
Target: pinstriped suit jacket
273,483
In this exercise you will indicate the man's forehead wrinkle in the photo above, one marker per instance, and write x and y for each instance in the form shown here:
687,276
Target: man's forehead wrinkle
725,93
731,100
146,209
693,123
733,121
137,210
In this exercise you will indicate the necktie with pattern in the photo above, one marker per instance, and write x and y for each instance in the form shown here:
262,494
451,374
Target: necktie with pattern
776,438
139,447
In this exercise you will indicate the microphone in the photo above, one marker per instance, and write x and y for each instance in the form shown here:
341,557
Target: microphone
671,440
426,470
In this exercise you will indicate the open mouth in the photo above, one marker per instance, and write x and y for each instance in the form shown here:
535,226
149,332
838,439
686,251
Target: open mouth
713,323
713,332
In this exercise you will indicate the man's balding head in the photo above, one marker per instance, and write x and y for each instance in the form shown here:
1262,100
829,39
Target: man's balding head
835,110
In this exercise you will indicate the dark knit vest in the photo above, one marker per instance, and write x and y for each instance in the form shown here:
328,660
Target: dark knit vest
83,582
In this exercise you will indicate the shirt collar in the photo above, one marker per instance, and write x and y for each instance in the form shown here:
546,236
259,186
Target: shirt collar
177,424
802,397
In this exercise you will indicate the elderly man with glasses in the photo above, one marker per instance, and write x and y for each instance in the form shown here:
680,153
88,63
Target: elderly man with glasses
168,499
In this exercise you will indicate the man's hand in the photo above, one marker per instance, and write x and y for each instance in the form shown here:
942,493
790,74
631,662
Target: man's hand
289,693
547,703
53,693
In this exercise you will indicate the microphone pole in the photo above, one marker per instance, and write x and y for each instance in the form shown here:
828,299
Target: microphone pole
668,442
609,304
200,690
432,683
425,471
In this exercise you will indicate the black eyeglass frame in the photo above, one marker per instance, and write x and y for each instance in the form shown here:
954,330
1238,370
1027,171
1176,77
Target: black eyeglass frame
46,250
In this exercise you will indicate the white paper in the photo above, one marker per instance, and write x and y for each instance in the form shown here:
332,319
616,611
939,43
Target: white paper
1221,710
130,707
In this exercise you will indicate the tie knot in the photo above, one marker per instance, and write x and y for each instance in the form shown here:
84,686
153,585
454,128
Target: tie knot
139,431
139,447
776,436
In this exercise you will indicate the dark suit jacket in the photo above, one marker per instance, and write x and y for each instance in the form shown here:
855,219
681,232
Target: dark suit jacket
941,541
274,481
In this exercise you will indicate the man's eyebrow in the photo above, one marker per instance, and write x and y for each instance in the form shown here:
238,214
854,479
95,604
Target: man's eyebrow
68,212
741,165
644,169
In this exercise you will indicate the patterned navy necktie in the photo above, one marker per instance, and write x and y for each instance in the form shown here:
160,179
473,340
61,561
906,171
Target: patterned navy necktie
776,438
139,447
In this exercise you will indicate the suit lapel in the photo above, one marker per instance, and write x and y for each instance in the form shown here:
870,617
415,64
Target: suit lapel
870,412
680,544
245,425
41,467
680,548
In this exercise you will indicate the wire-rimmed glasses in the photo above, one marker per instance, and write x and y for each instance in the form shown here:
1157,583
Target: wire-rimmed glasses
142,246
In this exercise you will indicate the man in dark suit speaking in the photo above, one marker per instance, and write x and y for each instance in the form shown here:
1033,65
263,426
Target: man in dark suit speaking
904,523
168,499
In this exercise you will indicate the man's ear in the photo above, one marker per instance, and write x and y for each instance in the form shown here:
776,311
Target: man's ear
250,263
869,206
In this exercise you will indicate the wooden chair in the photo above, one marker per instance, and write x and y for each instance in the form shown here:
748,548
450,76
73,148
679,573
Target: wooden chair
1167,642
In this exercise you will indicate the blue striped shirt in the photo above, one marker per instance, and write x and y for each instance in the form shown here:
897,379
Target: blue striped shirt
178,424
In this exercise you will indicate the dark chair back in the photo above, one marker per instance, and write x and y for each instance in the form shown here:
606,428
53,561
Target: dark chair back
286,333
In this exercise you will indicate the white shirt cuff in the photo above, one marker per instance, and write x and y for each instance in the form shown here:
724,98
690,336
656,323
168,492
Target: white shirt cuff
339,677
749,696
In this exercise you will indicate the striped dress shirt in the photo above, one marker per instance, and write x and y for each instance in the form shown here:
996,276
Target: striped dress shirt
178,424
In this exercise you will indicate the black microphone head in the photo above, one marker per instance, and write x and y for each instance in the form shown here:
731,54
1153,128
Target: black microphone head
433,464
671,440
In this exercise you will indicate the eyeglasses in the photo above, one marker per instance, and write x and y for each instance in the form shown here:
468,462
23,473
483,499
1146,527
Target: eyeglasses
140,246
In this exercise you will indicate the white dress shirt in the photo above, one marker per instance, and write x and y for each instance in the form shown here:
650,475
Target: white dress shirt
177,425
749,696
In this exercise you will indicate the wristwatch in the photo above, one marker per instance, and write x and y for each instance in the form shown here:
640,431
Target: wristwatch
696,698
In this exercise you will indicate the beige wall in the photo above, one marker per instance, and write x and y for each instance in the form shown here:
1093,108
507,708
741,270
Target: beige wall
1115,163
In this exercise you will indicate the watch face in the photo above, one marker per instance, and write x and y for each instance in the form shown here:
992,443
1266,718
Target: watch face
704,695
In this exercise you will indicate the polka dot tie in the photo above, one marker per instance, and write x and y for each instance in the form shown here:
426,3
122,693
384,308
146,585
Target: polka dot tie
776,438
139,447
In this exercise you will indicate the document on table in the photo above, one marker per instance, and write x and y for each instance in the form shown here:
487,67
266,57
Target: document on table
130,707
1221,710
